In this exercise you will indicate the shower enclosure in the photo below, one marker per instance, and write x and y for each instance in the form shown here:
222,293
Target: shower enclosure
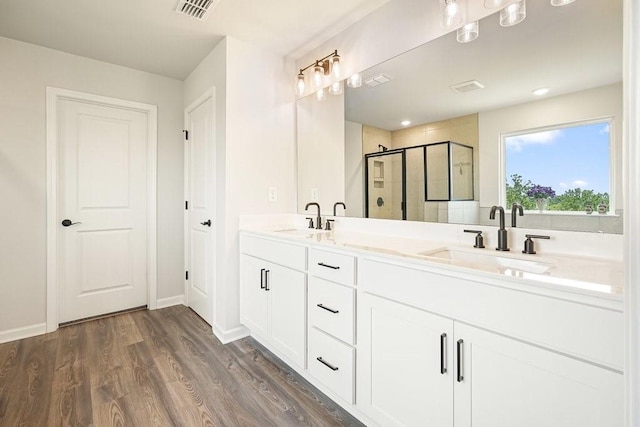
398,182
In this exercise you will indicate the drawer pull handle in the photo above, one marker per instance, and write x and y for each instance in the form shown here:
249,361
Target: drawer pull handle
266,280
460,361
328,309
328,365
443,354
262,285
333,267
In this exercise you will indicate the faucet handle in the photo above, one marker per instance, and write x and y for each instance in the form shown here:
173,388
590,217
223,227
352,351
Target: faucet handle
328,225
528,244
479,239
310,222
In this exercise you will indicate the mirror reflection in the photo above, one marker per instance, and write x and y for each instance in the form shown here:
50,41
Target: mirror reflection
470,94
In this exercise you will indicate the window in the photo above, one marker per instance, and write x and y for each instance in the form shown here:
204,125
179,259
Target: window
569,167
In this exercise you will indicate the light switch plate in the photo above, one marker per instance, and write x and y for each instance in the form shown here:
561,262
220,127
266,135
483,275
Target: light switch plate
273,194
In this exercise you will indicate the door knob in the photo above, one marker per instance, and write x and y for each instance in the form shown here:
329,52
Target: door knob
207,223
67,222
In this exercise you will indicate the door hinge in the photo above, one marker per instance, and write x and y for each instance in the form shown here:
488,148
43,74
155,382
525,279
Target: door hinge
186,275
186,205
186,134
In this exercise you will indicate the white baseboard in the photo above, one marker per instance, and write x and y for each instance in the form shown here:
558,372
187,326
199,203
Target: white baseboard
171,301
234,334
23,332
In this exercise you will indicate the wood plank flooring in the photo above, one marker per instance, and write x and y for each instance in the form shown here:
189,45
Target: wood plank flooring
154,368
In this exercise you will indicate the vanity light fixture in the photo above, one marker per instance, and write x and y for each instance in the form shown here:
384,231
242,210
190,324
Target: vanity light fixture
494,4
355,80
451,13
320,94
468,33
541,91
330,64
561,2
335,88
513,14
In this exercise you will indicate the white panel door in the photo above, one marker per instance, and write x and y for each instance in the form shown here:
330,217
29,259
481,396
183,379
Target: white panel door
200,189
102,190
508,383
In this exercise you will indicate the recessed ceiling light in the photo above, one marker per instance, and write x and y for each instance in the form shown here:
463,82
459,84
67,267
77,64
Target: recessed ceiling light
405,122
541,91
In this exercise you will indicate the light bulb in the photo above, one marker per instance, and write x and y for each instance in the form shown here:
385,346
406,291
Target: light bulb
335,88
468,33
335,67
355,80
320,95
561,2
513,14
318,75
451,13
300,84
493,4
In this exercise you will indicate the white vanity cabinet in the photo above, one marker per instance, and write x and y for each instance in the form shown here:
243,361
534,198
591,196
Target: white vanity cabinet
273,294
506,383
331,317
405,364
411,374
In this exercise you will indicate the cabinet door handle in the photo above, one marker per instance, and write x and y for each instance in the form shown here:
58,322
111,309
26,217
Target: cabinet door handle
333,267
328,309
327,364
443,354
262,285
460,355
266,280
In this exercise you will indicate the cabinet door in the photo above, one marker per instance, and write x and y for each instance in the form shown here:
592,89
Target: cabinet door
253,295
510,383
287,293
404,377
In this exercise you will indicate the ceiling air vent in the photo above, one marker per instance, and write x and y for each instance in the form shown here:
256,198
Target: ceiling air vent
377,80
469,86
198,9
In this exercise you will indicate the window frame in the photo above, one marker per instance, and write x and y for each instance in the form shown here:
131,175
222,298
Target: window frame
502,154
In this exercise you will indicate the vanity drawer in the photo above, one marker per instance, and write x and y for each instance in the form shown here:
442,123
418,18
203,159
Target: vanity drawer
332,308
337,267
286,254
332,362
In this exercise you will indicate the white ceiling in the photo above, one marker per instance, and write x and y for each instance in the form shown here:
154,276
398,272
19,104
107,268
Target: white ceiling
148,35
566,49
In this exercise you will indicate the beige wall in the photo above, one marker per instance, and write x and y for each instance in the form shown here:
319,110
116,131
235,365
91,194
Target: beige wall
25,73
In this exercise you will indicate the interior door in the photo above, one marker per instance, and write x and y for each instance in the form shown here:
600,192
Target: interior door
201,183
102,203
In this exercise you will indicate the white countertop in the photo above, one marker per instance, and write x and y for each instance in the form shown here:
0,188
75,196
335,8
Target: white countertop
592,276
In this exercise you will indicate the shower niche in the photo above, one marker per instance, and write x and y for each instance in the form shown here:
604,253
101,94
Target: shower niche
432,182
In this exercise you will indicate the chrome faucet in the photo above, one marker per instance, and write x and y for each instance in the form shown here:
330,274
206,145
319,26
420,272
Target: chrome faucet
502,232
318,218
336,204
516,207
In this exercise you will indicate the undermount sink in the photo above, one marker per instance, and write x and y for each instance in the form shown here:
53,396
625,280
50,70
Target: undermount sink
302,231
483,259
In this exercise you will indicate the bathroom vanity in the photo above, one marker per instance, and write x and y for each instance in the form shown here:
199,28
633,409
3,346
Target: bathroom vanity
412,332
